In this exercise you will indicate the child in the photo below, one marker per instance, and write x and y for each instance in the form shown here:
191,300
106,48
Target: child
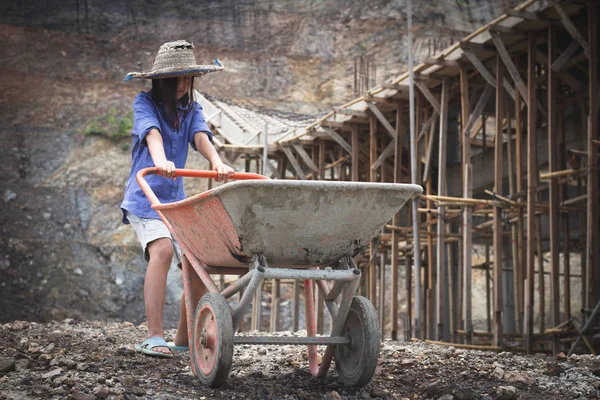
166,120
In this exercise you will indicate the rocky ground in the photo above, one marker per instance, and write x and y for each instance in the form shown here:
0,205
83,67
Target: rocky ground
72,359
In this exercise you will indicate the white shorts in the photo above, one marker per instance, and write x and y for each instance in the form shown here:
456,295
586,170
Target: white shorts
148,230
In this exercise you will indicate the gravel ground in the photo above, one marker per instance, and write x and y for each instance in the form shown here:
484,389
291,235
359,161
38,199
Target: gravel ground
95,360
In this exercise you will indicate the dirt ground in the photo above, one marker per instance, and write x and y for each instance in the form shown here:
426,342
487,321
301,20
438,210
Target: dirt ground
72,359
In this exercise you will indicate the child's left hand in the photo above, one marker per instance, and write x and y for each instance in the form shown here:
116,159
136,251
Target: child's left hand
224,172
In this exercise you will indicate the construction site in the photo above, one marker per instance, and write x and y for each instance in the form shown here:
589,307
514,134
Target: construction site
485,285
527,199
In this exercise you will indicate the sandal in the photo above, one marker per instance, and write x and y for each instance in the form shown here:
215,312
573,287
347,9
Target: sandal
147,345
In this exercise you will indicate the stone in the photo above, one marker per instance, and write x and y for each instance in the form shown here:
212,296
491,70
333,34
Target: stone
446,397
498,373
7,364
23,364
52,374
506,393
333,395
48,349
553,369
433,389
82,367
101,391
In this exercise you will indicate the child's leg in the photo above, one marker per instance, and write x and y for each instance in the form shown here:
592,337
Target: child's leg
155,286
198,290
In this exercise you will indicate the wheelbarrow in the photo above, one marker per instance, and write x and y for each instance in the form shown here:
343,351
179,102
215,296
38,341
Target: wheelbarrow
280,229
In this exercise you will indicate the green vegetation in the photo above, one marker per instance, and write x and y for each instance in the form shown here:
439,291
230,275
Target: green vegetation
110,125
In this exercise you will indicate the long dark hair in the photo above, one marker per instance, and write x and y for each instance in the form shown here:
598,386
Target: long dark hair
165,91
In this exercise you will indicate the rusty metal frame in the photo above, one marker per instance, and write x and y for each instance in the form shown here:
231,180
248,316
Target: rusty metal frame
346,280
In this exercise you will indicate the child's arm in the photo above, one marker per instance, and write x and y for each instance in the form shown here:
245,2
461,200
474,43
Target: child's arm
157,152
206,148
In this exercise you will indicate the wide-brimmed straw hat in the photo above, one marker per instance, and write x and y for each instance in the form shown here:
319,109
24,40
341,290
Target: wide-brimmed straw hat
175,59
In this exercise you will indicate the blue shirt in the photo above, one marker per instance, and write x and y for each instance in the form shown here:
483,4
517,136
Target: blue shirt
147,115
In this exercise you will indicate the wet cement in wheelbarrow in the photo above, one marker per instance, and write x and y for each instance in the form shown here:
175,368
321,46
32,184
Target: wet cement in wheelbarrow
72,359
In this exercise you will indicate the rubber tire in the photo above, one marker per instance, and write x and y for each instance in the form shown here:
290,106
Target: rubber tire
224,354
356,362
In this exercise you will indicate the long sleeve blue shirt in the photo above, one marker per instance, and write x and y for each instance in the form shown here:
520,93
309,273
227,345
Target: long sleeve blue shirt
147,115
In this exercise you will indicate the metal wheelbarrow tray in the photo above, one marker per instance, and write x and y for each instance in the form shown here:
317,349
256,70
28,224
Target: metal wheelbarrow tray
264,229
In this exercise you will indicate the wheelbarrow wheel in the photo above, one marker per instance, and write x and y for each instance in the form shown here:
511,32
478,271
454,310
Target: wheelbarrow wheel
212,347
356,361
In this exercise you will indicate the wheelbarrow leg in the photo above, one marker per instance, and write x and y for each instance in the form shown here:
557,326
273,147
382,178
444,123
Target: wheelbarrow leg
311,327
338,322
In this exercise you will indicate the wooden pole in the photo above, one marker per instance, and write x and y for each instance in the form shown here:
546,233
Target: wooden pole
414,147
498,237
552,93
593,216
565,226
355,154
396,221
441,295
467,243
514,246
372,178
488,289
520,210
542,279
531,191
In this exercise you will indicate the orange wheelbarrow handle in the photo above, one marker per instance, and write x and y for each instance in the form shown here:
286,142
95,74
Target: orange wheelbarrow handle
193,173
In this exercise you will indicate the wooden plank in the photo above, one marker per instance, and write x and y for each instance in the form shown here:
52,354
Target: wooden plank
510,66
340,140
442,62
441,295
290,156
389,129
511,30
523,14
428,125
273,169
389,150
565,56
532,178
552,94
593,220
429,155
498,233
467,244
429,96
572,29
322,166
355,154
349,111
485,96
479,66
565,76
305,157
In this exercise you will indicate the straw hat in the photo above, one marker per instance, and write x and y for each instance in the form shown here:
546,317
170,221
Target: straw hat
175,59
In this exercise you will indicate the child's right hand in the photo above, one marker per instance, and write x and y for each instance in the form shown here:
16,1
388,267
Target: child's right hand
166,169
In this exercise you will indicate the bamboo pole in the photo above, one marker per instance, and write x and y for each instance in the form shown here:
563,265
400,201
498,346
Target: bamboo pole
414,147
498,237
531,192
552,94
593,219
441,295
396,221
467,322
372,178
